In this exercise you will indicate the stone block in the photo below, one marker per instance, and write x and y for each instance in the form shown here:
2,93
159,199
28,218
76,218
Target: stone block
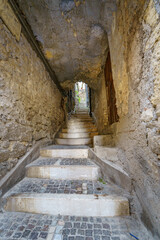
103,140
112,172
107,153
154,143
147,115
4,155
158,110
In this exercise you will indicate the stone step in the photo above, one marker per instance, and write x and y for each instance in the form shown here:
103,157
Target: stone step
83,198
79,125
77,135
64,152
67,204
63,169
81,120
79,130
81,116
73,141
82,112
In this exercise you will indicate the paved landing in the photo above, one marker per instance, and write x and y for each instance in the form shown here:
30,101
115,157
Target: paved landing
15,226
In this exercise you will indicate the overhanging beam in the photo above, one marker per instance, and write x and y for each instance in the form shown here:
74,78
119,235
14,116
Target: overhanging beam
34,44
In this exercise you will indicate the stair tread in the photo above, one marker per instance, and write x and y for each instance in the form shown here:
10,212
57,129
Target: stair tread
41,186
65,147
61,162
82,138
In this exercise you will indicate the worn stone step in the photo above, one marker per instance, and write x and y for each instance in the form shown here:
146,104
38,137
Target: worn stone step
81,120
81,115
80,124
87,198
64,204
77,135
64,151
63,169
73,141
79,130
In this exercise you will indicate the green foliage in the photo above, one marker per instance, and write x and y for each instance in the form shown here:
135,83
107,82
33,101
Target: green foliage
101,181
77,96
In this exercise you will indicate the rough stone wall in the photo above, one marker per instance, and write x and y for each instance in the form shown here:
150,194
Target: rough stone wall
74,41
99,106
30,104
135,52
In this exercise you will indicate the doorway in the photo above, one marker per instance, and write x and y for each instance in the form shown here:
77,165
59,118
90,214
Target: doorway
81,97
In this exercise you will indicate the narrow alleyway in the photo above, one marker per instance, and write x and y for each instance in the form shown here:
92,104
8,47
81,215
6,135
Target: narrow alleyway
66,184
79,119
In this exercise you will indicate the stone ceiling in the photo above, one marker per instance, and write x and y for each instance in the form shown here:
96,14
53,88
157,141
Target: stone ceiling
72,35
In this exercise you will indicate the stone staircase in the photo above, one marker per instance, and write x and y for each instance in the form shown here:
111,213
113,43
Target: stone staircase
63,180
79,130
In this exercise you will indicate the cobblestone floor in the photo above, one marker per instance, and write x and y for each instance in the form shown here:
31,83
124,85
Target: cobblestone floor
35,185
62,161
79,161
44,161
24,226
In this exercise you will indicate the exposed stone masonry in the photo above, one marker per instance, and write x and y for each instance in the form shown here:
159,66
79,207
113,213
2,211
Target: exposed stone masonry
76,41
30,104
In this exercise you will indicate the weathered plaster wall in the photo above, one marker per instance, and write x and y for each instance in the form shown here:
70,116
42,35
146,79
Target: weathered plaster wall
135,53
75,39
30,104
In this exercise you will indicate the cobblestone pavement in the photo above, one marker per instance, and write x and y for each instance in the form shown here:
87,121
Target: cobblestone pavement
79,161
35,185
24,226
62,161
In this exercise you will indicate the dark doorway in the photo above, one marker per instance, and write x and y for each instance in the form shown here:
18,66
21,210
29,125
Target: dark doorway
111,97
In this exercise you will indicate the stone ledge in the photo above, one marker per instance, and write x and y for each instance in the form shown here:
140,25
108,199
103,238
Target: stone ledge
18,172
67,204
112,172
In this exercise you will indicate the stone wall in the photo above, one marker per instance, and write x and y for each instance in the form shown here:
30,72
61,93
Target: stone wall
99,106
30,104
135,53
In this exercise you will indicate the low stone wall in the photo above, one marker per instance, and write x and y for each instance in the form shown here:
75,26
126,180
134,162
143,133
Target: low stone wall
30,103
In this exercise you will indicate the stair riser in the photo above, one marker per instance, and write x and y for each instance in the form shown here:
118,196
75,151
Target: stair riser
78,126
81,116
64,153
79,130
64,172
77,135
80,205
81,120
72,142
